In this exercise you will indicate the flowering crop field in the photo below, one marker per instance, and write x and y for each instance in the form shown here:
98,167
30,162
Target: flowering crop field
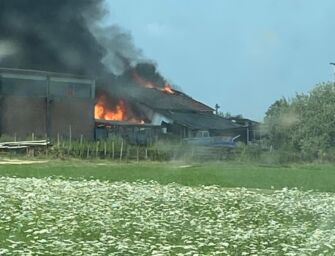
71,217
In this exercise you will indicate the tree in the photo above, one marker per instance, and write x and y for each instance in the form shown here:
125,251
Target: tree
305,124
278,122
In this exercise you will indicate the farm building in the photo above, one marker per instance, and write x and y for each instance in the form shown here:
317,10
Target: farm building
173,111
52,104
249,129
45,104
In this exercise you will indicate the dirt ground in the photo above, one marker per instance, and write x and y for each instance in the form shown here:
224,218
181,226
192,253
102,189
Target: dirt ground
18,161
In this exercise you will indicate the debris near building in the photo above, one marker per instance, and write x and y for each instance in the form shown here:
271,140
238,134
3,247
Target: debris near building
24,144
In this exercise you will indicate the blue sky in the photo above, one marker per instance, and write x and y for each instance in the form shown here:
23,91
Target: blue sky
241,54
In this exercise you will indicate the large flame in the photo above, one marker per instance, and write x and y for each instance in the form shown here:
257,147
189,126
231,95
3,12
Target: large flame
102,111
108,108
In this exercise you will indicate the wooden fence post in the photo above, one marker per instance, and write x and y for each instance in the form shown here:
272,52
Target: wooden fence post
105,148
121,150
70,139
113,151
33,150
88,151
81,146
146,153
97,148
128,152
138,153
46,145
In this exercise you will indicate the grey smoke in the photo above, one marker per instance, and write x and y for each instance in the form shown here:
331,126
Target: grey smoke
62,36
121,53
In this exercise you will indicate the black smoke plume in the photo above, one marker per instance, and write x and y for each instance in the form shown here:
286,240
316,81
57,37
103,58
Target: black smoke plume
67,36
61,36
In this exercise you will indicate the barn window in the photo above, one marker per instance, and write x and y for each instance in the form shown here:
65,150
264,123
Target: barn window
16,85
70,87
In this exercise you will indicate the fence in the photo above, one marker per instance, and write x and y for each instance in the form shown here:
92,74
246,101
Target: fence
115,149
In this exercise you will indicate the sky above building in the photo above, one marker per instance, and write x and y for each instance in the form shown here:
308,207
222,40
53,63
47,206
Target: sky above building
240,54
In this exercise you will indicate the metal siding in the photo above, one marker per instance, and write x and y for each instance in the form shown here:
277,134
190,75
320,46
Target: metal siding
74,112
23,116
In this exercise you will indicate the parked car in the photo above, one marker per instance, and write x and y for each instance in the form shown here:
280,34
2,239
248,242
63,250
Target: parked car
203,138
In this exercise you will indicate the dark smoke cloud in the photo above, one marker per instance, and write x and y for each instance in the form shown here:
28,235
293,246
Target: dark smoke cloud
67,36
62,36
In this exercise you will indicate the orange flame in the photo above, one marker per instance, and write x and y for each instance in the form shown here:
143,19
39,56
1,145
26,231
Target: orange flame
101,111
149,84
168,89
145,83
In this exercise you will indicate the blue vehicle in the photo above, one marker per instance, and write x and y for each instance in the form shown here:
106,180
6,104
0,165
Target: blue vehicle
203,138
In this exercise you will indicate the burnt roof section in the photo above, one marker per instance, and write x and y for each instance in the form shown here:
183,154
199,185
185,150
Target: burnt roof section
157,99
200,120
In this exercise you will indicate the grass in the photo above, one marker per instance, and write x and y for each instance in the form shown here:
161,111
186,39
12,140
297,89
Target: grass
318,177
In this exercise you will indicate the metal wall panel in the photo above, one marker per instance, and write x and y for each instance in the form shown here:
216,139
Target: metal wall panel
26,107
22,116
71,112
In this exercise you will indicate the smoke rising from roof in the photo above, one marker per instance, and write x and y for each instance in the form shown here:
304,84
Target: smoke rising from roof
63,36
121,53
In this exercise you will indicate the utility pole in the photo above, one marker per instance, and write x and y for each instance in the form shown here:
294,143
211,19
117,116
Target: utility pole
333,64
217,109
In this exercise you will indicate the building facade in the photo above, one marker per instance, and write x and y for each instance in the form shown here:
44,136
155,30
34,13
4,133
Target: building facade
45,104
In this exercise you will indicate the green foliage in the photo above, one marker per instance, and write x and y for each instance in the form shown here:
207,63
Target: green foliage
320,177
305,124
247,153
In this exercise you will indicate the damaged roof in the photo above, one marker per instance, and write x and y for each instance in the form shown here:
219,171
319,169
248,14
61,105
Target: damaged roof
200,120
159,100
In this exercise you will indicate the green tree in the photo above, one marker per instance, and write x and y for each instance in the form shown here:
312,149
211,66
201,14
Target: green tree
305,123
278,122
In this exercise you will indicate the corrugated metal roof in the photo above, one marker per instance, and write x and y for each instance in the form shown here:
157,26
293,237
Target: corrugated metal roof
159,100
200,120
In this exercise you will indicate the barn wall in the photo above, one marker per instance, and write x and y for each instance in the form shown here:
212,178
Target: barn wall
74,112
22,116
45,104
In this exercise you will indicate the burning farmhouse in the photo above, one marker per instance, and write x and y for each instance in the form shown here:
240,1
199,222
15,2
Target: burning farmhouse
134,105
115,90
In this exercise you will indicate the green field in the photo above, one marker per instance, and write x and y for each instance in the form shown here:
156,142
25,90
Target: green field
226,174
175,208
